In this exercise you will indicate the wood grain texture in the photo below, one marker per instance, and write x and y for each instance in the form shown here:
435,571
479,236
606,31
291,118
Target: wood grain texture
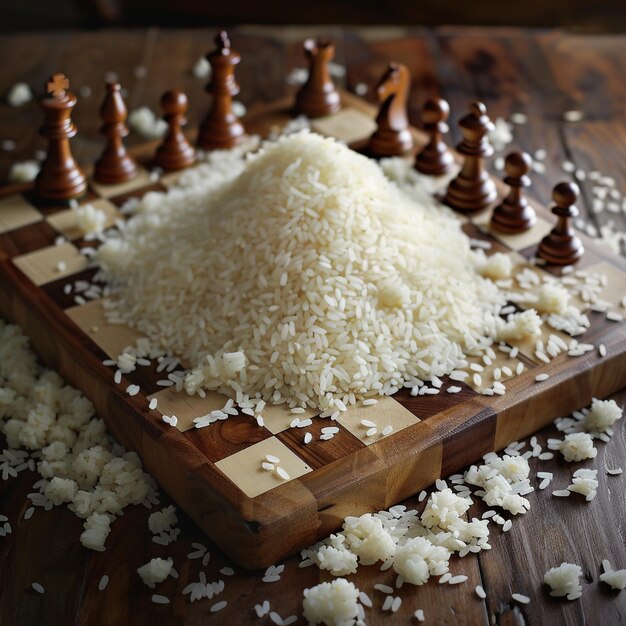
518,560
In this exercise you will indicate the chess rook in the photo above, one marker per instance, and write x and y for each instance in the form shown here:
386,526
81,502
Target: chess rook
60,178
220,128
115,165
561,246
318,96
514,214
392,136
175,152
435,159
473,190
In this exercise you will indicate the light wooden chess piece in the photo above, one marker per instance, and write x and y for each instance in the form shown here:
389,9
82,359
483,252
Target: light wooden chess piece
115,165
561,246
392,136
60,178
220,128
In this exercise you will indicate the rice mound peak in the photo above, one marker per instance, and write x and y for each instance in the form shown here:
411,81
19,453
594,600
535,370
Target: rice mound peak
302,275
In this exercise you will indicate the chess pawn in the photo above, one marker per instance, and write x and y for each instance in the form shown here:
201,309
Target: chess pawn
221,129
175,153
514,215
473,190
561,246
60,178
435,159
318,96
392,136
115,165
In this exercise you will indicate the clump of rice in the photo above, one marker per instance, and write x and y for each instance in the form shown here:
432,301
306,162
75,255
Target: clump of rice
89,218
416,548
616,579
575,447
164,520
564,580
51,428
585,482
155,571
338,279
597,420
504,482
334,603
498,266
97,529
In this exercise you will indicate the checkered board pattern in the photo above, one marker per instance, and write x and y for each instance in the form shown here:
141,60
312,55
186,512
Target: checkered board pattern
215,472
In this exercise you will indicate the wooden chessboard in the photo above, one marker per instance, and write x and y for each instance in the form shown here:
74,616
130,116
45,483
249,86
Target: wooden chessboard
214,473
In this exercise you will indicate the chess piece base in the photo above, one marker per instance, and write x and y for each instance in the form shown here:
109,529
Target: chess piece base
512,220
434,164
469,195
315,105
173,159
560,249
220,136
113,169
55,185
389,143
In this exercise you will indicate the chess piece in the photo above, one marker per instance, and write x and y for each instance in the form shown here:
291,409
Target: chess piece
60,178
318,96
221,129
392,136
114,165
514,215
435,159
175,153
561,246
473,190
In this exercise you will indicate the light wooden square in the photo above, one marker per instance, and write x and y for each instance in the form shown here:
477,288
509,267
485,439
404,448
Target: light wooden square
349,125
186,407
110,191
16,212
385,412
520,241
112,338
244,467
278,417
42,266
65,221
615,289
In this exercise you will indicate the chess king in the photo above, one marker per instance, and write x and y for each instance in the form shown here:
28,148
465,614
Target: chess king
60,178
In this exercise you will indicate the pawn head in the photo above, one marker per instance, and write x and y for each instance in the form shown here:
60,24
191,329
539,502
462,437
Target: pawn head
517,164
435,110
565,194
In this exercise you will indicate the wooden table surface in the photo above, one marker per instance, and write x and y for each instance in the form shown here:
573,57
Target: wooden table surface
542,74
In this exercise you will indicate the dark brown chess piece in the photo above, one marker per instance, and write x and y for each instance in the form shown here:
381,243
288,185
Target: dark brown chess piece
220,128
473,190
514,214
318,96
561,246
60,178
175,153
392,136
435,159
114,165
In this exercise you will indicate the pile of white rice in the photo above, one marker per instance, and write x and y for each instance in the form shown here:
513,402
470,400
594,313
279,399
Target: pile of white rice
309,278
